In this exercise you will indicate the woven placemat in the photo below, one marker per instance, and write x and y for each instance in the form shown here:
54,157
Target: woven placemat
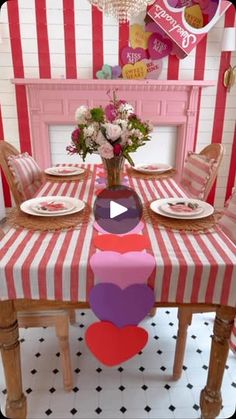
76,178
193,226
133,173
19,219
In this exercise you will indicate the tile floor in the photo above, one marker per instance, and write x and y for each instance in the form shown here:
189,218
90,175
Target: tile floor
140,388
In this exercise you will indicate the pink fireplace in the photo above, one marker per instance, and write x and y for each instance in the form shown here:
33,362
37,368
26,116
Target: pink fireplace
54,101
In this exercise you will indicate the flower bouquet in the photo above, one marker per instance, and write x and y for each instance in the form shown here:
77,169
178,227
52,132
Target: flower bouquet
113,132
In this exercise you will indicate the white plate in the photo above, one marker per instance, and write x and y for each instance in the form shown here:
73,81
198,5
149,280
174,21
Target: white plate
29,206
44,207
152,168
169,209
207,208
64,171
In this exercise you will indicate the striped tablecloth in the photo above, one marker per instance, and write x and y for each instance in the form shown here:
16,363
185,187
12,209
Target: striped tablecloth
190,268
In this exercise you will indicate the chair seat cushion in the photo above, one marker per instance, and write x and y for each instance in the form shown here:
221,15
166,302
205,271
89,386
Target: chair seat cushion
27,174
228,220
196,173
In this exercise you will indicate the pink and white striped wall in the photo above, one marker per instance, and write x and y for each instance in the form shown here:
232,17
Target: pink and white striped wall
70,39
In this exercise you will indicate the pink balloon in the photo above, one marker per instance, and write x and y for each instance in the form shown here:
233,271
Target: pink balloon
159,47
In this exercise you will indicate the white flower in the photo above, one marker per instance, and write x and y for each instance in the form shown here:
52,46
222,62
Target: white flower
88,131
126,108
106,151
82,114
113,131
100,139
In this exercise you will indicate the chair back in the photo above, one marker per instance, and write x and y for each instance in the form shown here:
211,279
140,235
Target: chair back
7,150
212,151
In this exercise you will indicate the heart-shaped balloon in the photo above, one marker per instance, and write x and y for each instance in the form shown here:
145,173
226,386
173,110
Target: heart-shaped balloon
122,269
132,55
121,307
127,243
112,345
154,68
159,47
139,227
105,72
134,71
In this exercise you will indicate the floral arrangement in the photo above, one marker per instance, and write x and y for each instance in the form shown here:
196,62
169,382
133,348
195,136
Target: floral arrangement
112,132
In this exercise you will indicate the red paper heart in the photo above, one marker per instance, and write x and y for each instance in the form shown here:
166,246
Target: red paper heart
112,345
128,243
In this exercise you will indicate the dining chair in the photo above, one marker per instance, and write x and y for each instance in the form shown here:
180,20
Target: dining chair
227,223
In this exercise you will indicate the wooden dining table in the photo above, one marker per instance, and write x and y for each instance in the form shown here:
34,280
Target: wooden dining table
42,270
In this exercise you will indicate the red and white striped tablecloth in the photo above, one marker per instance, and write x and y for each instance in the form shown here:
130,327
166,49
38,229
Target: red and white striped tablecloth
190,268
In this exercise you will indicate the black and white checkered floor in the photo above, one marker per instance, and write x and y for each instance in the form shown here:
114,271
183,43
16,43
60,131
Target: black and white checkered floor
140,388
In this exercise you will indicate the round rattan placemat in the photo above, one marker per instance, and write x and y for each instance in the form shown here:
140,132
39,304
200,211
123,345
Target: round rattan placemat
133,173
19,219
76,178
193,226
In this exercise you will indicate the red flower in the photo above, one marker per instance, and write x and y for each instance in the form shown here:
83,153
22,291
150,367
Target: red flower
117,149
111,112
75,136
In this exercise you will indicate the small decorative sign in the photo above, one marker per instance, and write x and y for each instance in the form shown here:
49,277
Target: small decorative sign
132,55
136,71
138,37
154,68
159,47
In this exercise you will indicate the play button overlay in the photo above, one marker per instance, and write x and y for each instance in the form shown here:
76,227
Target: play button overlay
118,210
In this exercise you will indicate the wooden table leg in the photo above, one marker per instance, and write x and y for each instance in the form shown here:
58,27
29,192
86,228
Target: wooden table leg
10,351
210,399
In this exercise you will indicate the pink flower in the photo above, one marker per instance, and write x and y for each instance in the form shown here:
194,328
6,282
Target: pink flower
106,151
117,149
111,112
113,131
75,136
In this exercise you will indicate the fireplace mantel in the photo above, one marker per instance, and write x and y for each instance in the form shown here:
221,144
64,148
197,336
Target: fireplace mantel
163,102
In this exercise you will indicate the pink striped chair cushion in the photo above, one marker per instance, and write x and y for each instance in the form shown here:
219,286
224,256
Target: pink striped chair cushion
27,174
196,173
228,220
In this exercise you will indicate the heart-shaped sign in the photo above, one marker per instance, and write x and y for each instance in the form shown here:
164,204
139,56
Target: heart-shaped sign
132,55
112,345
193,16
159,47
105,72
138,37
122,269
139,227
154,68
116,71
121,307
127,243
136,71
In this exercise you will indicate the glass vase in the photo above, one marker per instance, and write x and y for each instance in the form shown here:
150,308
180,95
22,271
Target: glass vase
114,170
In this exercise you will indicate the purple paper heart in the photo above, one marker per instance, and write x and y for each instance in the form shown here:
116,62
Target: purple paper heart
132,55
122,269
116,71
159,47
121,307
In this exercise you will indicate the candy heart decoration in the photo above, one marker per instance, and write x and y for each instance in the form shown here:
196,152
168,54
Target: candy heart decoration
131,56
159,47
116,71
173,3
122,269
121,307
112,345
139,227
105,72
193,16
127,243
154,68
138,37
136,71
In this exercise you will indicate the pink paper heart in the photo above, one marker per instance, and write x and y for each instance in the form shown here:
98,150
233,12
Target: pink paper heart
122,269
132,55
159,47
154,68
